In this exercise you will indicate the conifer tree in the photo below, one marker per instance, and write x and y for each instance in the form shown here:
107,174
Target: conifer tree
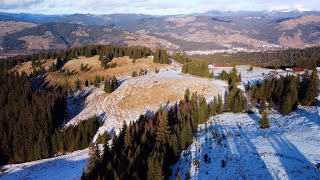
211,75
214,106
262,105
248,86
220,105
203,110
154,171
97,81
187,95
251,68
127,138
94,157
309,88
264,122
156,56
163,129
286,105
278,90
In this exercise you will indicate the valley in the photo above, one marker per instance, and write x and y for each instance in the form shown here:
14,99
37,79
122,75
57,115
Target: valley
200,33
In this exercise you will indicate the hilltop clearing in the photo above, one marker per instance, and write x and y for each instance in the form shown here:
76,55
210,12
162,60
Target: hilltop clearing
135,96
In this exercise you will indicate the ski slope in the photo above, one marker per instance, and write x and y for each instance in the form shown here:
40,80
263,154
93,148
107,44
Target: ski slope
289,149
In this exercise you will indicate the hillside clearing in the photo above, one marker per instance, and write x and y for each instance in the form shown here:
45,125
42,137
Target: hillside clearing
135,96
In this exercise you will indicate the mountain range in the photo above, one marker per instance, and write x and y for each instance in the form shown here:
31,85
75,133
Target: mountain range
208,32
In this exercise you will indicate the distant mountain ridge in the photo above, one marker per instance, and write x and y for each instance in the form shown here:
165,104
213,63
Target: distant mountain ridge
203,32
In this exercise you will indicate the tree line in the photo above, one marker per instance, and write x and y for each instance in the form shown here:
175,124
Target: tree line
197,68
285,92
73,138
161,56
31,119
232,78
105,52
180,57
110,84
307,58
28,119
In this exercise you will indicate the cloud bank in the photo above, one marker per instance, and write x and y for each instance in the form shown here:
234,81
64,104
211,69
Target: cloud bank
154,7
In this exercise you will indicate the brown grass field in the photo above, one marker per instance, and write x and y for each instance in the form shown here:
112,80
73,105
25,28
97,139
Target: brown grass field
125,67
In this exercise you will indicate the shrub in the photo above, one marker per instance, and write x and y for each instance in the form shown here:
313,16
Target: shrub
223,164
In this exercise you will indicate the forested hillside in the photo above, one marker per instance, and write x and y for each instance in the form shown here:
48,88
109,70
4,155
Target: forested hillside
145,149
33,132
304,58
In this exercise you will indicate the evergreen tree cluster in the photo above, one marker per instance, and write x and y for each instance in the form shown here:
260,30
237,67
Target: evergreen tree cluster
39,71
31,119
142,72
107,53
197,68
111,84
180,58
54,66
232,78
74,138
145,149
97,81
161,56
307,58
309,88
286,92
28,119
235,101
84,68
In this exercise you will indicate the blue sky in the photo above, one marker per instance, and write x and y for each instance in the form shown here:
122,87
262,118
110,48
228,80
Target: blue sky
154,7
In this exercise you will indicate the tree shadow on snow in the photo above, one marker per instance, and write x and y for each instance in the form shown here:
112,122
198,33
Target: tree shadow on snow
295,164
312,116
254,117
232,148
55,169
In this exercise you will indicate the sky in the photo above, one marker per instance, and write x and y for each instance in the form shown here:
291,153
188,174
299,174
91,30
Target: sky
153,7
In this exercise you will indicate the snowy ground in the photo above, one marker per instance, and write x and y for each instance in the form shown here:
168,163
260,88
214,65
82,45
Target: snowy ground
257,74
289,149
62,167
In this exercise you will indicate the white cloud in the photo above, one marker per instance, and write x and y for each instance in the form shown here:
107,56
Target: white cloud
18,3
148,6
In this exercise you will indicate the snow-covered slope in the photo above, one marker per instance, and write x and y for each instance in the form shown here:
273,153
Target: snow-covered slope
289,149
62,167
257,74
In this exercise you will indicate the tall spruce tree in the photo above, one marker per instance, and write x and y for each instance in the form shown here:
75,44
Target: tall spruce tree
286,105
264,122
163,129
309,88
94,157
